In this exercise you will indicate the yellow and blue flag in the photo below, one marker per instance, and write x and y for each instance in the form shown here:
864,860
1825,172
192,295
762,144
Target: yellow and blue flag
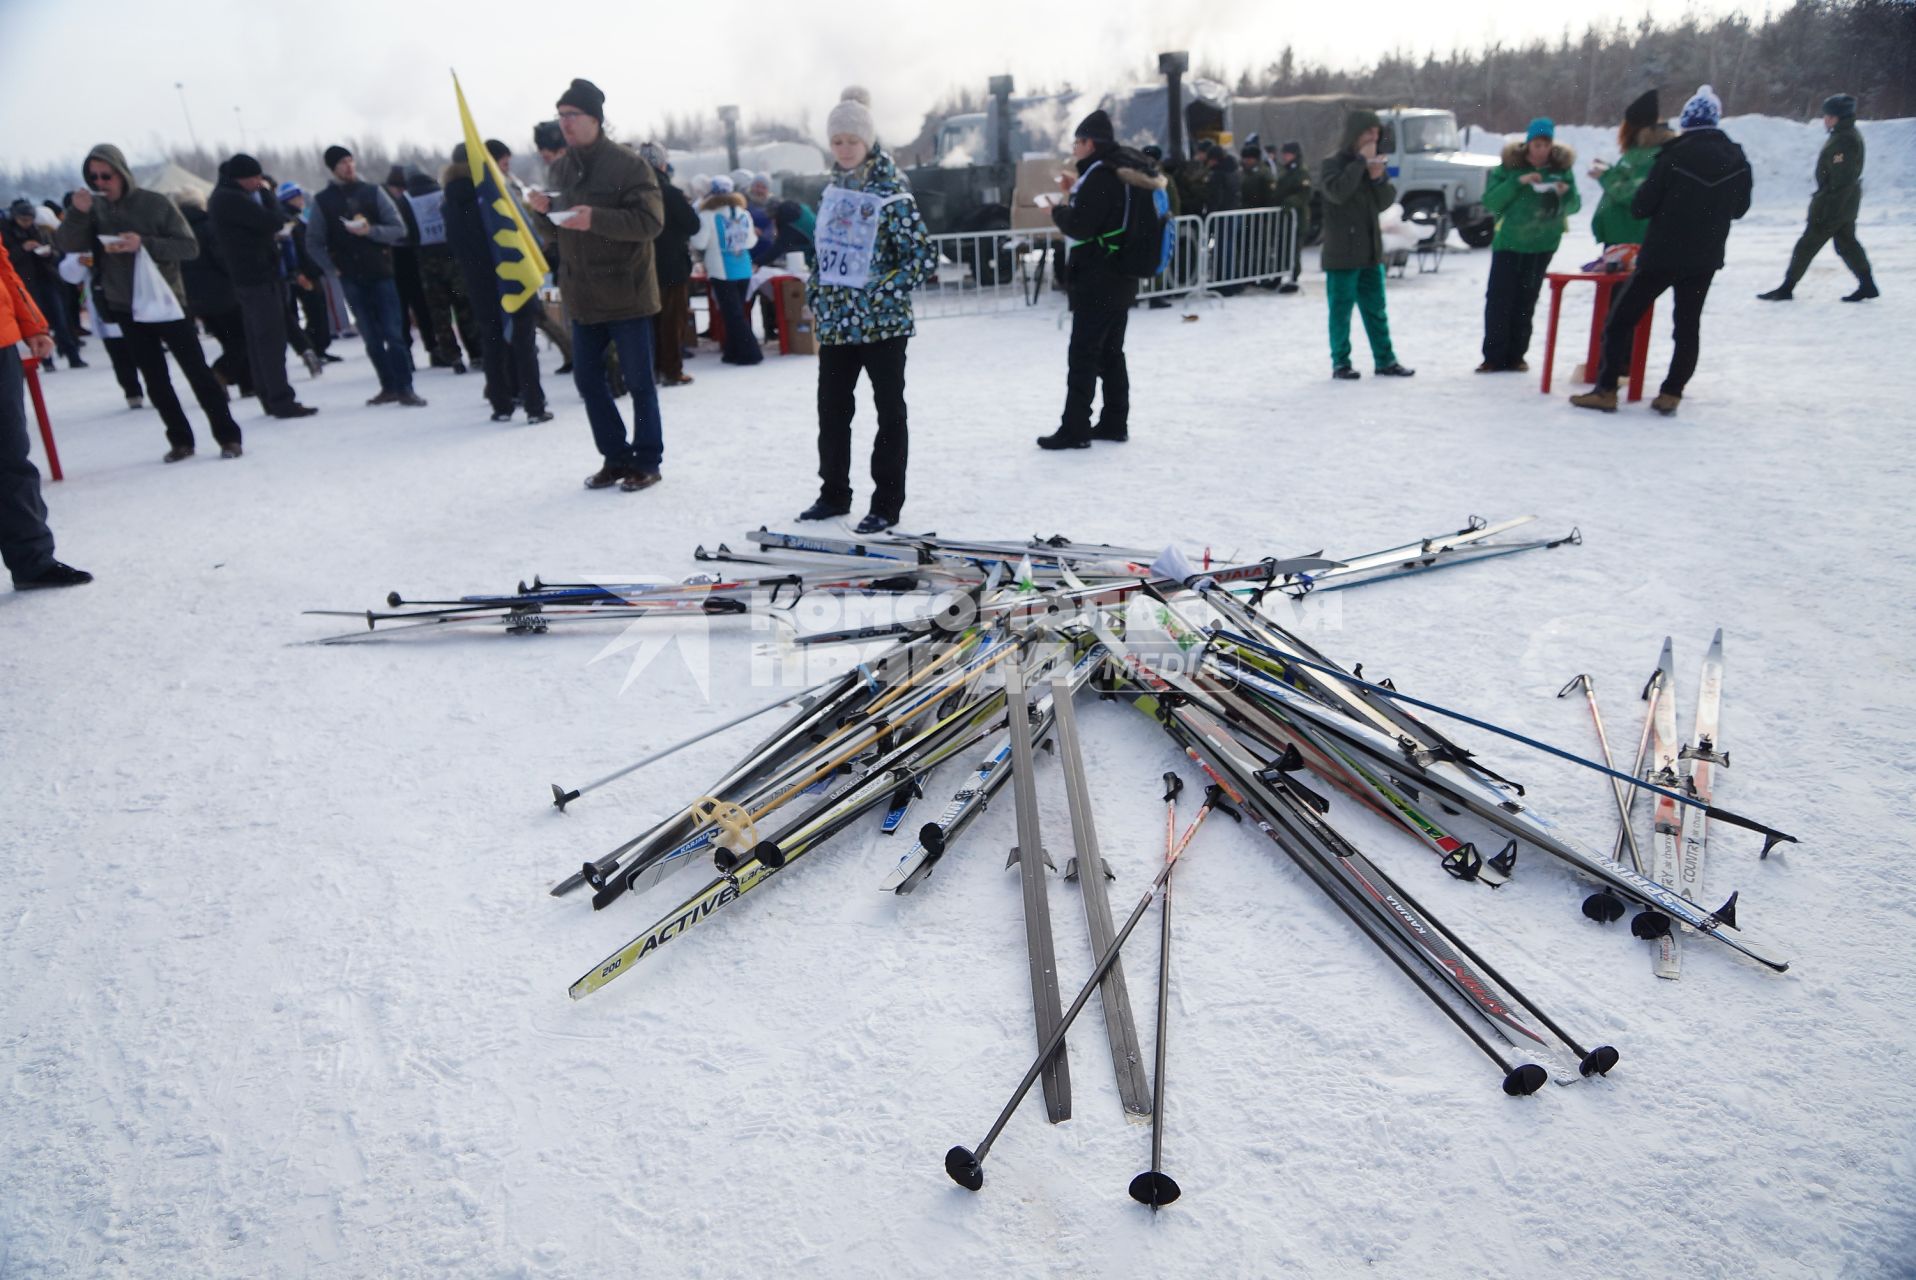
516,259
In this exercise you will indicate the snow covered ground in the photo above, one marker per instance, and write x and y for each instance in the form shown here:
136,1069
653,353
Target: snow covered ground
285,994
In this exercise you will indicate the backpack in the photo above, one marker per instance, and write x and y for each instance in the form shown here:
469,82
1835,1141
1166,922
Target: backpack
735,232
1144,243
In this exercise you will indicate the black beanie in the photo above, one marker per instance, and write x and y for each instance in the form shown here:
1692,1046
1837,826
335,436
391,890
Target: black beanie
1097,128
1293,149
1840,105
396,176
334,155
1642,113
497,149
1251,151
243,166
586,97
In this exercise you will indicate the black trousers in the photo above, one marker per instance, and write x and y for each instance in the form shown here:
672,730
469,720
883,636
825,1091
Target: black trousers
26,544
1637,297
1096,355
414,312
512,358
229,330
318,325
838,368
263,310
149,344
1510,304
124,370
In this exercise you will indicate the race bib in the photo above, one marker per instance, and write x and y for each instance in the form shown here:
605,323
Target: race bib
847,235
429,211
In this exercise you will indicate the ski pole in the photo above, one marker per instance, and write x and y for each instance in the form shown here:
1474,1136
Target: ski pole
1156,1187
1771,836
561,797
1652,694
966,1165
1616,788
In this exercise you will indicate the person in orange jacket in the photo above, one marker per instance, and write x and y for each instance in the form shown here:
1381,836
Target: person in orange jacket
26,544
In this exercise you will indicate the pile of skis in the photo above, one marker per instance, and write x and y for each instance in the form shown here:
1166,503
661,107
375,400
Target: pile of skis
996,643
779,569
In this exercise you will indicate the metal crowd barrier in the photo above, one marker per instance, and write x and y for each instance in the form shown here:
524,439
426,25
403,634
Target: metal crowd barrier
984,272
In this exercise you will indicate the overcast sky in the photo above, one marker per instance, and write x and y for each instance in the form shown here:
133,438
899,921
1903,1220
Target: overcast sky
105,70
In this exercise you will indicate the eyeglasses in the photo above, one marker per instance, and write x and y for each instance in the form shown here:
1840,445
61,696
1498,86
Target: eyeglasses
572,115
96,177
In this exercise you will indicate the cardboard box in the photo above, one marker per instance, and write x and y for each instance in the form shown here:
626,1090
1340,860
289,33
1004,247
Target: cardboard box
1036,176
798,327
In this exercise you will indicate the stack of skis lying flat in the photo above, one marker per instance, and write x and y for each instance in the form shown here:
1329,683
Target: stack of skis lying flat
986,666
779,569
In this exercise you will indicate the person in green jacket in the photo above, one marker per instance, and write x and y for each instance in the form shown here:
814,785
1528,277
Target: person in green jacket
1642,135
1833,209
1532,193
1355,191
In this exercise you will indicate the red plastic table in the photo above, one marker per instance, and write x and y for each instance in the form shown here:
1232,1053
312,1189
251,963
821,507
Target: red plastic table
31,367
1607,284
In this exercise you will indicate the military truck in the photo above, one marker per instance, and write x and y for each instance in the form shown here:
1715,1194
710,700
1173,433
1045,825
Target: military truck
1439,183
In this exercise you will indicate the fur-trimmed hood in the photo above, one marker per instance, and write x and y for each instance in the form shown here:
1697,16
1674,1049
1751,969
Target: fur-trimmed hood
1561,156
722,200
1652,135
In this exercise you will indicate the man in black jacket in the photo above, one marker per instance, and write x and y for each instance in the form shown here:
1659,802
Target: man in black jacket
1698,186
1101,295
248,225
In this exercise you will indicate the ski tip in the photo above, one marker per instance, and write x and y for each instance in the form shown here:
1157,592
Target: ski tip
1598,1061
965,1169
1650,925
561,797
1604,908
1154,1188
1522,1081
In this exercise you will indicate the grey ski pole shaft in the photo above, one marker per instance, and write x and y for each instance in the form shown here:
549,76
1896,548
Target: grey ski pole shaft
966,1164
562,797
1616,787
1154,1186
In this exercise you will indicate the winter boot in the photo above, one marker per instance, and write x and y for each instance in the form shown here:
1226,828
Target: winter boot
1865,290
1344,373
178,453
1489,367
1782,293
54,575
823,510
605,477
874,523
1395,370
1599,399
1666,404
1061,439
637,480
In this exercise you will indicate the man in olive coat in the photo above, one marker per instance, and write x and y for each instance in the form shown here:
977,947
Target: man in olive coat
1355,192
1833,209
610,211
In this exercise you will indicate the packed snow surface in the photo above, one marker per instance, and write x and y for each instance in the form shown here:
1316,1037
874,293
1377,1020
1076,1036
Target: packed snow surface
285,993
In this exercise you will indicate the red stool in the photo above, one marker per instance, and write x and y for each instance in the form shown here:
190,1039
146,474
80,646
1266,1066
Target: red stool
31,367
1607,283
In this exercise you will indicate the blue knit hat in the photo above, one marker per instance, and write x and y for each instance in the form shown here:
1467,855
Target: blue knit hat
287,190
1702,111
1541,127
